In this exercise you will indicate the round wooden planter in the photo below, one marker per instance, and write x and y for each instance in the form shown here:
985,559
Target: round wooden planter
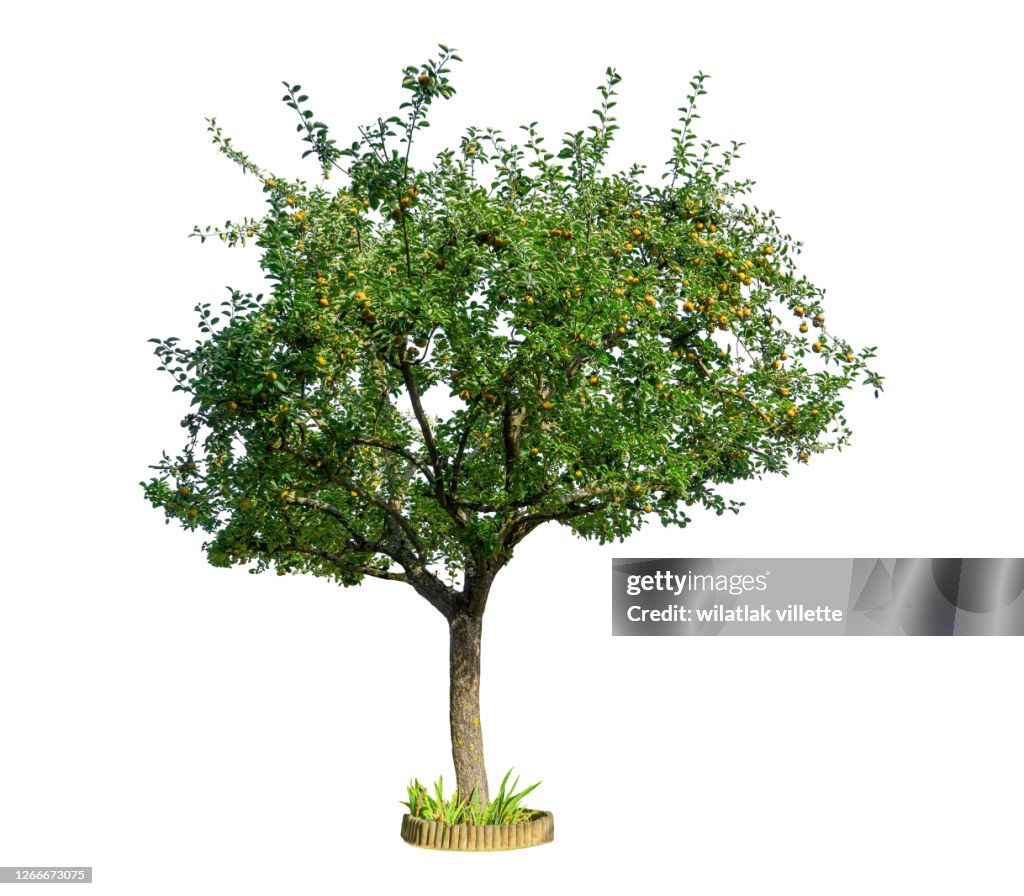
479,837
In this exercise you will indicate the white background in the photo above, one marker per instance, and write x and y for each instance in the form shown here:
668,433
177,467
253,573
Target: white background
186,729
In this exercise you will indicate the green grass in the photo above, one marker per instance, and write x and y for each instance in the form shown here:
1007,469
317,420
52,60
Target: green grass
506,807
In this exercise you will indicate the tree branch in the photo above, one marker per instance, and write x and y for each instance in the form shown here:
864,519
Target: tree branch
401,452
361,543
359,492
515,530
380,574
731,392
331,557
421,418
460,453
416,573
340,561
512,421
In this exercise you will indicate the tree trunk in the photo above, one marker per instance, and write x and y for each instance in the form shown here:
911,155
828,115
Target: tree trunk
464,707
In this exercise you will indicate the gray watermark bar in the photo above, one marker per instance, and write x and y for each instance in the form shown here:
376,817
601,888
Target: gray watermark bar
838,596
46,874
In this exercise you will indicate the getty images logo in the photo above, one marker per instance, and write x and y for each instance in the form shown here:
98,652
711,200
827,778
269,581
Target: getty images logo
667,582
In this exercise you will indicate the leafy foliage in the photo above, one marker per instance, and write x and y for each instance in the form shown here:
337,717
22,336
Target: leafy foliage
450,356
506,807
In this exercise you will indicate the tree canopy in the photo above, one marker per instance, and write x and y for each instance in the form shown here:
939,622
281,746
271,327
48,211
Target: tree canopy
449,356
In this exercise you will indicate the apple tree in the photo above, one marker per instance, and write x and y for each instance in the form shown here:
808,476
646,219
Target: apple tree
447,357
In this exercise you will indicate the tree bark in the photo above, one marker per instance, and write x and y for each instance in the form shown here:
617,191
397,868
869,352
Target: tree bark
464,706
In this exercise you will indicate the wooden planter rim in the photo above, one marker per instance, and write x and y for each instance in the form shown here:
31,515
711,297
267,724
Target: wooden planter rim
478,837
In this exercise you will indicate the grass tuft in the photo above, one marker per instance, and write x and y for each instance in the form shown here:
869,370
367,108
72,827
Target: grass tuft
506,807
